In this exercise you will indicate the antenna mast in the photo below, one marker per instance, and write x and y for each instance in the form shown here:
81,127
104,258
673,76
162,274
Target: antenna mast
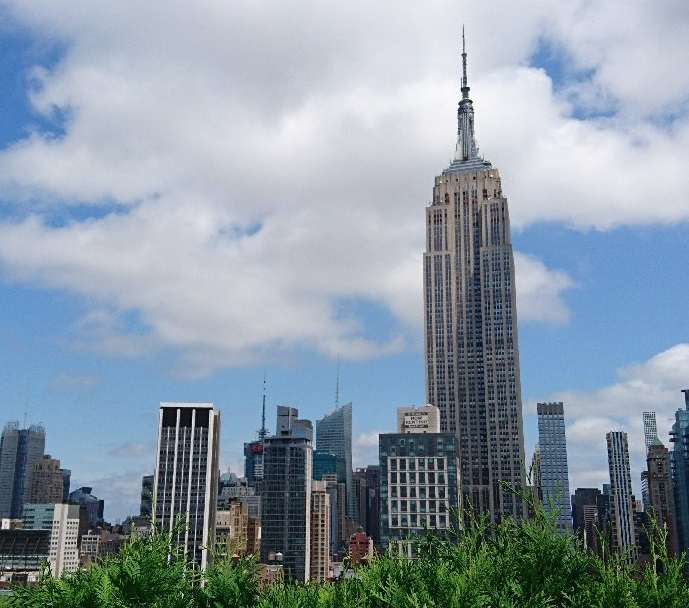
263,432
337,384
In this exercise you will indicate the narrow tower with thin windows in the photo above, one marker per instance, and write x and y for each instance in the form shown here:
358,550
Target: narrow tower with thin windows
472,354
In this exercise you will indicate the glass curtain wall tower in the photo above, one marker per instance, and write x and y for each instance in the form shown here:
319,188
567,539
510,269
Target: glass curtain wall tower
334,434
19,450
472,354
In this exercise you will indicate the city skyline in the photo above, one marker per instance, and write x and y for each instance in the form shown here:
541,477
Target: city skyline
160,241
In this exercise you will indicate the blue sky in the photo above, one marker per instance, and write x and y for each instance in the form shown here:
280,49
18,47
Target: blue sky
191,198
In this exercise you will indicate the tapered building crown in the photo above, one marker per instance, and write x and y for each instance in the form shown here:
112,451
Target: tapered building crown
466,157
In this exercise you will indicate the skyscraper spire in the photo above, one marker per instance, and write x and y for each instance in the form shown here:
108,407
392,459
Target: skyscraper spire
466,142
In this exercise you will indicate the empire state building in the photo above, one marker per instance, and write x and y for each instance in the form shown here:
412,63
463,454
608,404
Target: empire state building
472,352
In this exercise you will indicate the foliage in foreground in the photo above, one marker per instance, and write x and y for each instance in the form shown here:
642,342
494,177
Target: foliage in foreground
527,566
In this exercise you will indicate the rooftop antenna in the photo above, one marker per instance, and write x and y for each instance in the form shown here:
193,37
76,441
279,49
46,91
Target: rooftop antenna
337,384
263,432
26,410
465,86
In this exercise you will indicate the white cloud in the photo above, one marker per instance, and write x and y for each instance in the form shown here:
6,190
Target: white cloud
653,385
365,449
540,291
225,193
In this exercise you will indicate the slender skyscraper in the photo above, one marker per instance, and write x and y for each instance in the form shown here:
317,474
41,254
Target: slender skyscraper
621,501
650,435
472,354
334,434
554,471
186,474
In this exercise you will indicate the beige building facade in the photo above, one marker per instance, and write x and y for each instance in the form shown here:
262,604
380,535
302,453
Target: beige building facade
471,345
320,531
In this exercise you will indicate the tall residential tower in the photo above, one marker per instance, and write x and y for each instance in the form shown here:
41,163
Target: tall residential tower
621,499
472,354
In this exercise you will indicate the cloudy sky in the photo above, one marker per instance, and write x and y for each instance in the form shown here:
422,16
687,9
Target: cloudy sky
194,196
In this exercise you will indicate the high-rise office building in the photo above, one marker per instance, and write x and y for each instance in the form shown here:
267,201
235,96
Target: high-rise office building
419,485
19,449
45,481
471,346
286,495
554,471
621,499
334,434
679,463
186,474
660,493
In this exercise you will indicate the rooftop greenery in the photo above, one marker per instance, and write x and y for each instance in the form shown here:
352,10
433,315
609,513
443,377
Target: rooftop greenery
524,565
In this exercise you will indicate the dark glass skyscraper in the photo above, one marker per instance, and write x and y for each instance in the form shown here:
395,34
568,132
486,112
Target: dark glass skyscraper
472,354
286,495
679,462
554,471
